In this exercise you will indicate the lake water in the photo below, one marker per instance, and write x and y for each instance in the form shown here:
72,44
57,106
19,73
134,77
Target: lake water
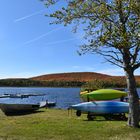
64,97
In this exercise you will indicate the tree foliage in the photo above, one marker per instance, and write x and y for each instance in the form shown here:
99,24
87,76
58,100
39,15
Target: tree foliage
112,29
37,83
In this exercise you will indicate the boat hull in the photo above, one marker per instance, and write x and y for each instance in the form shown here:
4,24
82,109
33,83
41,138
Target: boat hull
19,108
102,107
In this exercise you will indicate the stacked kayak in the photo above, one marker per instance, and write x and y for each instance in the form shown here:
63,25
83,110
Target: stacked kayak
103,94
99,104
103,107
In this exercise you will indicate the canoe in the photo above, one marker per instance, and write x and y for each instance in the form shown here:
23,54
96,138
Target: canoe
8,108
104,94
102,107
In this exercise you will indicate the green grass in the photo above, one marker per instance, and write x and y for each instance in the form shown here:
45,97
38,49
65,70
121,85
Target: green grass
52,124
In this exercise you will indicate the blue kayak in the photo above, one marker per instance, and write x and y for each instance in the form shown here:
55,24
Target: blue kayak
103,107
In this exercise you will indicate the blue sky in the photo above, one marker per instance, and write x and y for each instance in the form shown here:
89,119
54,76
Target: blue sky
30,46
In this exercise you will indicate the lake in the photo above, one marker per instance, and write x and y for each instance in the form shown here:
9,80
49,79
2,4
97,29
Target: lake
64,97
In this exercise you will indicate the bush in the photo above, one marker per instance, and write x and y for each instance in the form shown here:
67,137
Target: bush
98,84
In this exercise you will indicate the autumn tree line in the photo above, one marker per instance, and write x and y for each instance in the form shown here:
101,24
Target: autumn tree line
94,84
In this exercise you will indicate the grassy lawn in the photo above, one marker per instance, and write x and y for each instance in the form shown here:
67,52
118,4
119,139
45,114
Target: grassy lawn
52,124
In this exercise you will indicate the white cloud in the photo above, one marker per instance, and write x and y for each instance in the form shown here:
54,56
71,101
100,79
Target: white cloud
112,71
84,68
137,72
109,71
19,75
75,67
117,72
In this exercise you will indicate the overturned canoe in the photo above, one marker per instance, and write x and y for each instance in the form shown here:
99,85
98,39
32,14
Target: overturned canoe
20,108
104,94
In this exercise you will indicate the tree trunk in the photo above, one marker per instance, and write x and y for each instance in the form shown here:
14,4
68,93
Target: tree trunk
134,110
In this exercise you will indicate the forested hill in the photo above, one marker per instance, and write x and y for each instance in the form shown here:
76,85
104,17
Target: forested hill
74,79
81,78
74,76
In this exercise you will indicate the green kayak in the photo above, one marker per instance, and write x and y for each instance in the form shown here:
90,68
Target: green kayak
104,94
